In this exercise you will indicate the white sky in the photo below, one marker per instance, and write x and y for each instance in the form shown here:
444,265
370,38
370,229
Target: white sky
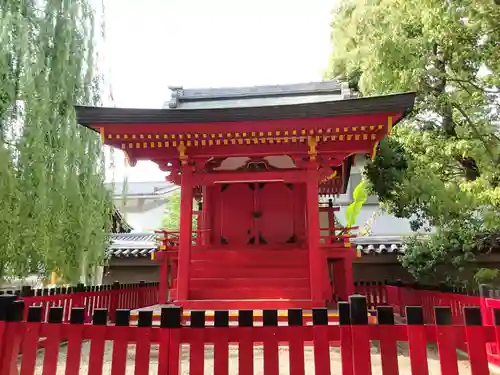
152,44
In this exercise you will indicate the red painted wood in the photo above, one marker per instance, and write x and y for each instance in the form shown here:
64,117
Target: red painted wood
245,352
221,352
476,349
360,336
248,304
120,346
271,353
96,355
163,297
299,206
321,350
418,349
346,350
186,208
254,126
174,352
248,282
295,337
29,348
163,351
249,293
196,351
277,221
51,346
73,356
12,339
388,349
142,350
315,265
447,353
236,208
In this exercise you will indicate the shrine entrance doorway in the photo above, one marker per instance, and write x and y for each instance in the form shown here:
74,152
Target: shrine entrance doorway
258,214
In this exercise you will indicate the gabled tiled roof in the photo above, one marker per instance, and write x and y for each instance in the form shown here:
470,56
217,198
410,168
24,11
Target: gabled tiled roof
379,245
125,245
254,96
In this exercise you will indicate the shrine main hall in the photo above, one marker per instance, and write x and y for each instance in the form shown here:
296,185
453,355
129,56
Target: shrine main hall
257,167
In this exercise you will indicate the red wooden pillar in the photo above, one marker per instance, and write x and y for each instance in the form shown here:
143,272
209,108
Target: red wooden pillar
331,225
163,292
313,232
186,228
204,214
343,279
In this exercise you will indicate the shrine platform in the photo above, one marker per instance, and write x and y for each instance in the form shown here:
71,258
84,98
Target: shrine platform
333,316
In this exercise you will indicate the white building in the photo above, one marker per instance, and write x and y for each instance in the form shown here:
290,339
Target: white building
371,217
142,204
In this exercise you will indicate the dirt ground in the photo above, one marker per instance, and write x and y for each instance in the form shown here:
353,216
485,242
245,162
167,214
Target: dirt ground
404,361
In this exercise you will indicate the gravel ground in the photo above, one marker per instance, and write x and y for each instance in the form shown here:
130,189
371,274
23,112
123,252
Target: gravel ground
404,361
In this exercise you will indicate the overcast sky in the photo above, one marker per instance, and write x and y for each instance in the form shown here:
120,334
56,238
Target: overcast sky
152,44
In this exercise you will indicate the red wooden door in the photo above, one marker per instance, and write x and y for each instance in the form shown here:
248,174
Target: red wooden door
275,204
237,207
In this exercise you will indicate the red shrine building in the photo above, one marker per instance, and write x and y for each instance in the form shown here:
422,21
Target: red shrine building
257,167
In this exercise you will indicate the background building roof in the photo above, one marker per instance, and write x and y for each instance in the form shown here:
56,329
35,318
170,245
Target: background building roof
142,189
125,245
254,96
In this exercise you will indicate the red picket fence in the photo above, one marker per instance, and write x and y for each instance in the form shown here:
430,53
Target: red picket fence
400,296
110,297
162,349
375,293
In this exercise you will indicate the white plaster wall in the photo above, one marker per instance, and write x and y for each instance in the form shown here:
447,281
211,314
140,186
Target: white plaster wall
383,224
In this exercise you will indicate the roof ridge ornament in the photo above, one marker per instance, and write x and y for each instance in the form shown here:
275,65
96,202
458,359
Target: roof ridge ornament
176,93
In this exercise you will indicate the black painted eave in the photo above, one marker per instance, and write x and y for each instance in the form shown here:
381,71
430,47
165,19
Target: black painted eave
402,103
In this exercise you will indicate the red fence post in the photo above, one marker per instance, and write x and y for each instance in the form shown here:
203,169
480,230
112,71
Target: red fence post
417,341
476,341
113,303
6,301
346,348
12,335
360,336
445,334
388,340
142,294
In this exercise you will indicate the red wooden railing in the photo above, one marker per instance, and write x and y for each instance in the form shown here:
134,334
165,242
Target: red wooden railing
110,297
170,239
309,346
337,235
399,296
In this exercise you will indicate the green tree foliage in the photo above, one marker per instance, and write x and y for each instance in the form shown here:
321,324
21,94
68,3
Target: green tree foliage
440,167
172,218
54,211
360,196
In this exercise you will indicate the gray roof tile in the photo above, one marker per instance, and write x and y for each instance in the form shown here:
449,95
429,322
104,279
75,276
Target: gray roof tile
89,116
255,96
136,245
379,245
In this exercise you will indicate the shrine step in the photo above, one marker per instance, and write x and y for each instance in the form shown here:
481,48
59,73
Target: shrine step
249,293
230,272
281,258
248,282
256,256
249,304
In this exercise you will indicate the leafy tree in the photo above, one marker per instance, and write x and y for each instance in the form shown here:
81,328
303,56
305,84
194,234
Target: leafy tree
172,218
55,212
440,167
